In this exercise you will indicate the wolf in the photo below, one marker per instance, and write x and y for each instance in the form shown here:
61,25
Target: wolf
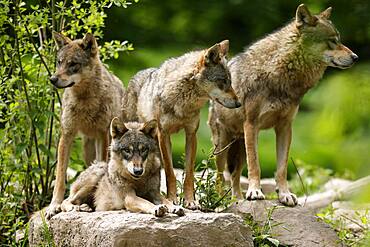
173,94
270,78
130,180
92,97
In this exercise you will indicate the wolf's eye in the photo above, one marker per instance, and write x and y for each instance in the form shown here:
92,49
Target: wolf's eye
144,150
59,62
332,43
127,150
74,67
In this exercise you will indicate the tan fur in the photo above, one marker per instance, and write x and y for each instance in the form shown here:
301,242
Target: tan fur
270,78
173,94
91,99
113,186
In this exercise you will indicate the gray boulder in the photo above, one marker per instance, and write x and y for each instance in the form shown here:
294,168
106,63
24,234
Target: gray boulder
121,228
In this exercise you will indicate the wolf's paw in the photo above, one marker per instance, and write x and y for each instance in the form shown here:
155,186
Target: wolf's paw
178,210
160,210
288,199
254,194
192,205
84,208
52,210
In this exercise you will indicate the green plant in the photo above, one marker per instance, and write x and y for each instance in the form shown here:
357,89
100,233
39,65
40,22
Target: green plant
340,224
205,187
29,105
262,236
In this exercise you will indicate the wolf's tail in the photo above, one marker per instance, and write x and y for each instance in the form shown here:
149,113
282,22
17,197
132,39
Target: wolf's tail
236,155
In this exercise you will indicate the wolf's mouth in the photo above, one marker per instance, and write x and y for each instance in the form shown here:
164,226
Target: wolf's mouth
69,85
341,66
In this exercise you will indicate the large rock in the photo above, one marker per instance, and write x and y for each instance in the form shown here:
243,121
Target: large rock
121,228
291,226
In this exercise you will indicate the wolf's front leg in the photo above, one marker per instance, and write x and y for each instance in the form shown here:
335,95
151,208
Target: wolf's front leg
60,186
254,191
283,139
134,203
190,153
166,154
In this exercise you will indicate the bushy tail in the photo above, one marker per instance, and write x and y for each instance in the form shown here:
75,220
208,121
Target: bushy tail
236,155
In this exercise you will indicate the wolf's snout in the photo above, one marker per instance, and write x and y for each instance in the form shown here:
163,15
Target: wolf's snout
53,79
138,171
354,57
237,104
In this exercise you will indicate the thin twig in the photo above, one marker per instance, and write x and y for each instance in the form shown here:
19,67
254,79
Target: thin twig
26,92
223,149
301,180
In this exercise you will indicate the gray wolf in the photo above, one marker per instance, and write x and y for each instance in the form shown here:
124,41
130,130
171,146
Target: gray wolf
130,180
270,79
173,94
92,97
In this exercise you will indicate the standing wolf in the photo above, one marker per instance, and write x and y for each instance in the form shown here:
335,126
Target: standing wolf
173,94
131,180
91,99
270,78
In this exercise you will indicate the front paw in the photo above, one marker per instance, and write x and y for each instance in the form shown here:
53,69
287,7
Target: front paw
192,205
52,210
288,199
160,210
254,194
178,210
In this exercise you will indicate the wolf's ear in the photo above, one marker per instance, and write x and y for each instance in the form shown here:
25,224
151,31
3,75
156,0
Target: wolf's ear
326,13
117,130
213,55
303,16
89,44
60,39
150,128
224,47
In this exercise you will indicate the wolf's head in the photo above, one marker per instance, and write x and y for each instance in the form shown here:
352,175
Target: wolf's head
213,75
322,39
134,147
75,60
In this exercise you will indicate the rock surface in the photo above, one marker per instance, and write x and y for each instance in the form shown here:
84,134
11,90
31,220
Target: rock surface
121,228
293,226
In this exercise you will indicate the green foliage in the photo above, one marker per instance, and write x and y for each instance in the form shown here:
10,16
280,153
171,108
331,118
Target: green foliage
29,105
261,231
350,238
205,187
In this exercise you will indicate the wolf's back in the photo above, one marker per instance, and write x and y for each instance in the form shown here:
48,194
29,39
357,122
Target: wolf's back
135,85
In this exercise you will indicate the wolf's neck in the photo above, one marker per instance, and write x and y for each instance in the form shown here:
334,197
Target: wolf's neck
302,67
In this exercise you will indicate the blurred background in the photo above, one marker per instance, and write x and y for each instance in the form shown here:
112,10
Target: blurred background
332,128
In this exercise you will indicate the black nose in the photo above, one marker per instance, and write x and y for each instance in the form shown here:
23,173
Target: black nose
238,104
354,57
53,79
138,171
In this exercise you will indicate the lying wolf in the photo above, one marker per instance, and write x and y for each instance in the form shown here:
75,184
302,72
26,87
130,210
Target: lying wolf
173,94
131,179
92,97
270,78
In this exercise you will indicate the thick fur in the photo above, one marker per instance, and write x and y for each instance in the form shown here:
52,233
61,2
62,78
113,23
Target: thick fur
173,94
270,78
92,97
130,180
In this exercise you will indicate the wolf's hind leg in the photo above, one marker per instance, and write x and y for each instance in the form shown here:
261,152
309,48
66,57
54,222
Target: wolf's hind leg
89,150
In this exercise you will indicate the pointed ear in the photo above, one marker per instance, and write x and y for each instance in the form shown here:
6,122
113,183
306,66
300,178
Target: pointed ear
150,128
89,44
224,47
213,55
60,39
117,130
326,13
303,16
